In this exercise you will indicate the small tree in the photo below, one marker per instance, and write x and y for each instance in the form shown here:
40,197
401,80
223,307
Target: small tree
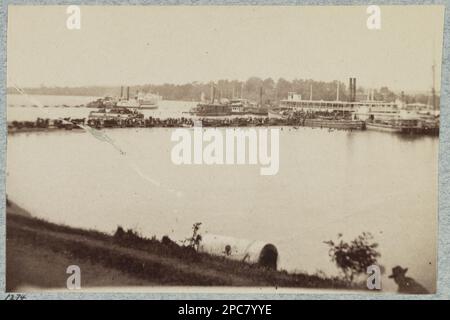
194,240
353,258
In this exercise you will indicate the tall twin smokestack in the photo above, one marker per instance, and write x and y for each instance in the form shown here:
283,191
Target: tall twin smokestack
127,92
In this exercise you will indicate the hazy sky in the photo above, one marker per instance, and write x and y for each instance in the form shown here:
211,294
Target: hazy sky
128,45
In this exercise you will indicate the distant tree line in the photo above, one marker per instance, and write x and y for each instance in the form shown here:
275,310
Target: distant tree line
272,91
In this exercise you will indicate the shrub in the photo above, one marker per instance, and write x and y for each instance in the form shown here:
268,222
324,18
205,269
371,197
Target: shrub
353,258
194,240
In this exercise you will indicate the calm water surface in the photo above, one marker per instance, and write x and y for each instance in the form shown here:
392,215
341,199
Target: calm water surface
328,183
20,107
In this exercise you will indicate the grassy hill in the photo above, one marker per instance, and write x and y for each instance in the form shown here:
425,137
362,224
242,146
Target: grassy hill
39,252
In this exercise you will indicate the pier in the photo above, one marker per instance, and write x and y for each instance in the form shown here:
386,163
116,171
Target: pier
295,121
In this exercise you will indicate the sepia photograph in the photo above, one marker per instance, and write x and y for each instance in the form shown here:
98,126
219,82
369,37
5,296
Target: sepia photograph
237,149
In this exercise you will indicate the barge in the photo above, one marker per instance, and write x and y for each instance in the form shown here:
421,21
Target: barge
336,124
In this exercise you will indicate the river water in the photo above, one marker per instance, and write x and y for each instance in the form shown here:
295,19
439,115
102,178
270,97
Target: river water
20,107
329,182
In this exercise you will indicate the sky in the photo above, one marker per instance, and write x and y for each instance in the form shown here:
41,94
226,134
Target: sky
132,45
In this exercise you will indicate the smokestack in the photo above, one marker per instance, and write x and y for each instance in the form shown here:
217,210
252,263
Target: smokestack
350,89
260,96
310,93
121,92
433,90
128,93
337,92
212,92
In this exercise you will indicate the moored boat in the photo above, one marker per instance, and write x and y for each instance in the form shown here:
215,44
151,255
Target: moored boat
148,100
336,124
395,125
212,110
116,113
278,114
127,103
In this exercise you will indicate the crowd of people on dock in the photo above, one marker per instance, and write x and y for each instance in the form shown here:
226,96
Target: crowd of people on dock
295,119
324,119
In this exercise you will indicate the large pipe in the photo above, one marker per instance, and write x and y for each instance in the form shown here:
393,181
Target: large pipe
253,252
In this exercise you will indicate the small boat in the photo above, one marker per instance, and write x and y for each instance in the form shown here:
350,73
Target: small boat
212,110
336,124
148,100
278,114
396,126
116,113
127,103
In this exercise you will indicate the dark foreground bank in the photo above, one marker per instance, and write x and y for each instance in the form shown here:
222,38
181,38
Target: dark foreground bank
38,254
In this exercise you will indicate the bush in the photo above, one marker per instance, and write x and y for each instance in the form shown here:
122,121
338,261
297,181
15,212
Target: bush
353,258
194,240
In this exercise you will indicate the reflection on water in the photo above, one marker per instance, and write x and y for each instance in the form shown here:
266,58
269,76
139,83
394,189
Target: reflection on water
328,183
